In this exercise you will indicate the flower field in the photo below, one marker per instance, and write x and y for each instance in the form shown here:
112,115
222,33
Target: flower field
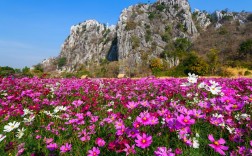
147,116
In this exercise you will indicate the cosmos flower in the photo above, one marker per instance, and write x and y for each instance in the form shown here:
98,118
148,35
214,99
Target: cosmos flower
94,152
163,151
218,145
2,137
65,148
100,142
129,149
20,133
143,141
11,126
192,78
52,146
185,120
143,118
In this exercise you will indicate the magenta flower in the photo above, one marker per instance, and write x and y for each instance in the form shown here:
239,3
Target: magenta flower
218,145
185,120
162,151
52,146
143,118
143,141
77,103
129,150
132,105
132,133
94,152
100,142
119,124
65,148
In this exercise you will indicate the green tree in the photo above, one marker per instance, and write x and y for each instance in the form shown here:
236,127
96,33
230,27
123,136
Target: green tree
182,44
195,64
6,71
245,50
213,59
61,62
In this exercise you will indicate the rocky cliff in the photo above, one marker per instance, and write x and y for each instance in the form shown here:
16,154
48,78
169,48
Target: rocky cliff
143,32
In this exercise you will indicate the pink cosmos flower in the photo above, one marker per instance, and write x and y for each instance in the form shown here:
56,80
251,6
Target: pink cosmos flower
48,140
129,150
77,103
132,133
100,142
119,124
132,105
143,118
52,146
143,141
145,103
162,151
218,145
94,151
65,148
153,120
185,120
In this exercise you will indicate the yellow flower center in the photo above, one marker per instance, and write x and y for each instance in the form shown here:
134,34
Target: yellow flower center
143,141
235,106
185,120
144,119
216,143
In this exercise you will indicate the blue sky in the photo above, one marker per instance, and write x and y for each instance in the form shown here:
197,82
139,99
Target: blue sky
32,30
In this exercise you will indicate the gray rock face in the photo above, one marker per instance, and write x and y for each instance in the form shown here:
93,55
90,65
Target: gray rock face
139,33
88,42
202,18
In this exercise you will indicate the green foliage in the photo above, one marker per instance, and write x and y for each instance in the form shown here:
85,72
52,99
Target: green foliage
249,18
195,64
148,35
213,59
227,18
182,44
223,31
161,7
166,37
247,73
156,65
176,7
135,42
61,62
246,48
130,25
6,71
152,15
38,67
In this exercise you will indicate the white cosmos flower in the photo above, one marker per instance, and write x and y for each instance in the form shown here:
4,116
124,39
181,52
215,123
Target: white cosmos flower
2,137
110,110
11,126
192,78
195,143
30,119
27,111
197,135
215,89
244,116
59,108
20,133
230,129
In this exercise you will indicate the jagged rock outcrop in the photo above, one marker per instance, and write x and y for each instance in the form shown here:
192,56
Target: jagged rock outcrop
89,42
143,32
140,31
202,18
